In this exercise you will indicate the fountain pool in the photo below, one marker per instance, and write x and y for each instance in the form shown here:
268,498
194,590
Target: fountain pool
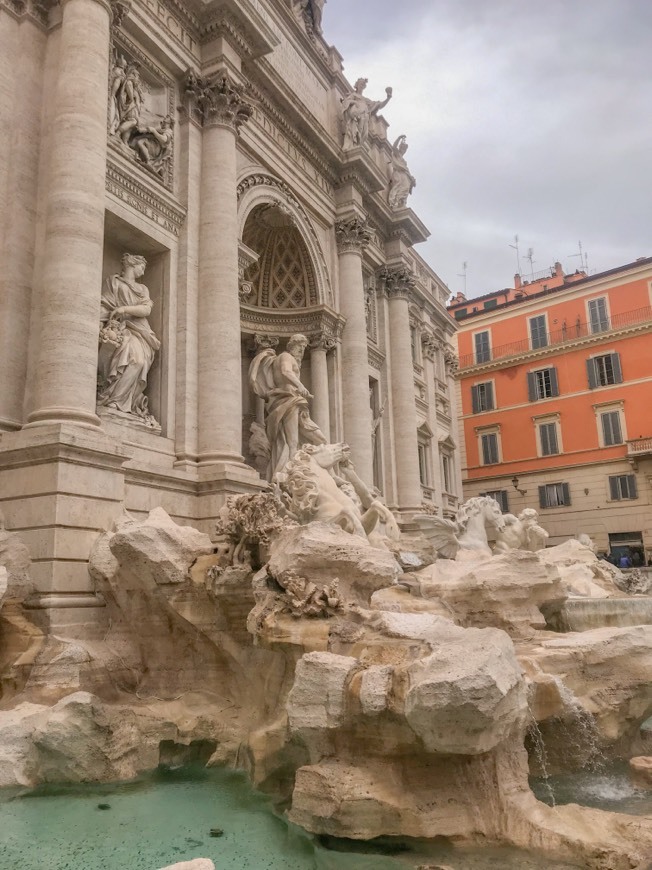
608,787
166,817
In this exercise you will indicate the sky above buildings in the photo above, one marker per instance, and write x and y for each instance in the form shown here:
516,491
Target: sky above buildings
523,117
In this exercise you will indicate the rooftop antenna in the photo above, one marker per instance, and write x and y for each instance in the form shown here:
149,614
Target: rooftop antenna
518,255
530,256
584,258
462,274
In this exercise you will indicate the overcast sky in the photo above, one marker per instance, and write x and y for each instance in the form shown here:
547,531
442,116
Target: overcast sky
528,117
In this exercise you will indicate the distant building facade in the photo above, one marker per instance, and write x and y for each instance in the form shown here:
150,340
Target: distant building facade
555,398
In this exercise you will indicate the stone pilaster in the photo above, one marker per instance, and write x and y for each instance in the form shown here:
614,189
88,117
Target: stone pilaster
320,345
63,370
398,283
219,105
352,237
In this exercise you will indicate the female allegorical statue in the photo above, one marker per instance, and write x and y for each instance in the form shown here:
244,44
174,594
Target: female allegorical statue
127,342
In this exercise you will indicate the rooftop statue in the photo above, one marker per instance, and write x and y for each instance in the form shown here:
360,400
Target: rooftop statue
127,342
356,111
401,183
276,378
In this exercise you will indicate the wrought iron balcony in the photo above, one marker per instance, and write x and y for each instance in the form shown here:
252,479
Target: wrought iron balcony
566,335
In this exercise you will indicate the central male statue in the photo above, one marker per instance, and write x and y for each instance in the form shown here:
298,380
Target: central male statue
276,379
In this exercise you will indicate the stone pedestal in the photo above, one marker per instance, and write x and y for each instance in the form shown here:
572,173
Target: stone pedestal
63,371
61,486
352,237
398,284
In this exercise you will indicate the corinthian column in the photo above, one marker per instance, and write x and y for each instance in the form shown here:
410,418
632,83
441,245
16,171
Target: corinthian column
398,284
220,106
63,371
319,347
352,238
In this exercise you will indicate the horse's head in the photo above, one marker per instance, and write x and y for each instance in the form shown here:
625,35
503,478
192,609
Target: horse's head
492,513
328,455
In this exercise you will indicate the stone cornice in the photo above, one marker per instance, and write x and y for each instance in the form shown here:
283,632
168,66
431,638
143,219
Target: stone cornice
375,357
37,10
352,235
277,322
242,24
148,199
322,341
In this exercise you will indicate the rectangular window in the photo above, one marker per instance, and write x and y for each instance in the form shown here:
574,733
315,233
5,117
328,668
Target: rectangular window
423,465
611,428
548,439
489,442
554,495
604,370
622,486
598,318
490,303
413,343
447,475
460,313
538,331
499,495
482,349
542,384
482,397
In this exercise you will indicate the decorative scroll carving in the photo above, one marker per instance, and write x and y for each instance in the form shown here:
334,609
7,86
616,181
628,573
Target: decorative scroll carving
356,112
429,345
322,341
450,359
264,341
352,235
401,182
217,100
398,281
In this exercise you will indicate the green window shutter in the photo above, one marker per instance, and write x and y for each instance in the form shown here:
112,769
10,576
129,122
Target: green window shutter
554,383
531,386
474,399
633,491
543,501
489,392
614,490
592,373
566,491
617,369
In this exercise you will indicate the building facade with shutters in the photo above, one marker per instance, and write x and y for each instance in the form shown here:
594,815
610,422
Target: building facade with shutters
555,399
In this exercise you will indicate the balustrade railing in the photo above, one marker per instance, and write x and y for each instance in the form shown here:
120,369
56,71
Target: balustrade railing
639,445
567,333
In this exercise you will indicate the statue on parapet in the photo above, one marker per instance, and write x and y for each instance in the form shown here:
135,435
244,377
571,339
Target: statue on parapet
401,182
276,378
356,112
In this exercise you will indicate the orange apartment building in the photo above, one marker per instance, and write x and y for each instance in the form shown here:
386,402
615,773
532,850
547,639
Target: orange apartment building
555,398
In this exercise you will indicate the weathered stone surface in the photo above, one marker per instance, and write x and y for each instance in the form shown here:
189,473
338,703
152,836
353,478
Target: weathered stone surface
322,552
641,769
318,696
197,864
15,558
505,592
160,547
4,583
582,573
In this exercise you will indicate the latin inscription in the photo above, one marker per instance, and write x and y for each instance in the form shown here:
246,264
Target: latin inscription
171,24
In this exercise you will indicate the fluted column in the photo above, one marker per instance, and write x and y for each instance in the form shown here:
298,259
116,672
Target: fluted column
398,284
63,371
352,238
220,106
320,405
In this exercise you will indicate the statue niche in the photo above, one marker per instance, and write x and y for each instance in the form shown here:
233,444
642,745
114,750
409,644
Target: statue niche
127,343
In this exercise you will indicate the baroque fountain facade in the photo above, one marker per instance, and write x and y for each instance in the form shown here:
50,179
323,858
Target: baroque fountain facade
232,525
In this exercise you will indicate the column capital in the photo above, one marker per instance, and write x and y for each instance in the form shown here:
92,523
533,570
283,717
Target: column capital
352,235
398,282
450,359
262,341
216,101
322,341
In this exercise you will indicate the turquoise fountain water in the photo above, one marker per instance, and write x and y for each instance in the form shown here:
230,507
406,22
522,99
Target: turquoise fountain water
167,817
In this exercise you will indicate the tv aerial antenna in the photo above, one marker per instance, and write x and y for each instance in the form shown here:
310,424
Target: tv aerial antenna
462,274
584,257
518,254
530,258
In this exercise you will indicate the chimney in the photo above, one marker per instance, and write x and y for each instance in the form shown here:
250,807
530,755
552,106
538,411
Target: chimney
517,282
460,297
559,272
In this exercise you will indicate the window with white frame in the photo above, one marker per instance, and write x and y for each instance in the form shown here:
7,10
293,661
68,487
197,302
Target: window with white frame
482,347
548,437
424,441
538,331
542,384
622,486
489,448
604,370
482,397
598,314
501,496
447,473
414,341
553,495
611,428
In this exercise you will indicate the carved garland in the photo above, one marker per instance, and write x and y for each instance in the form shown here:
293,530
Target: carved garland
260,179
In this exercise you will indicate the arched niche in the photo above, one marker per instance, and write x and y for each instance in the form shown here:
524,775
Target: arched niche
274,224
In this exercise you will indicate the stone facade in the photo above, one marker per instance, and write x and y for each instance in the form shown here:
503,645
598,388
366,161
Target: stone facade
217,154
